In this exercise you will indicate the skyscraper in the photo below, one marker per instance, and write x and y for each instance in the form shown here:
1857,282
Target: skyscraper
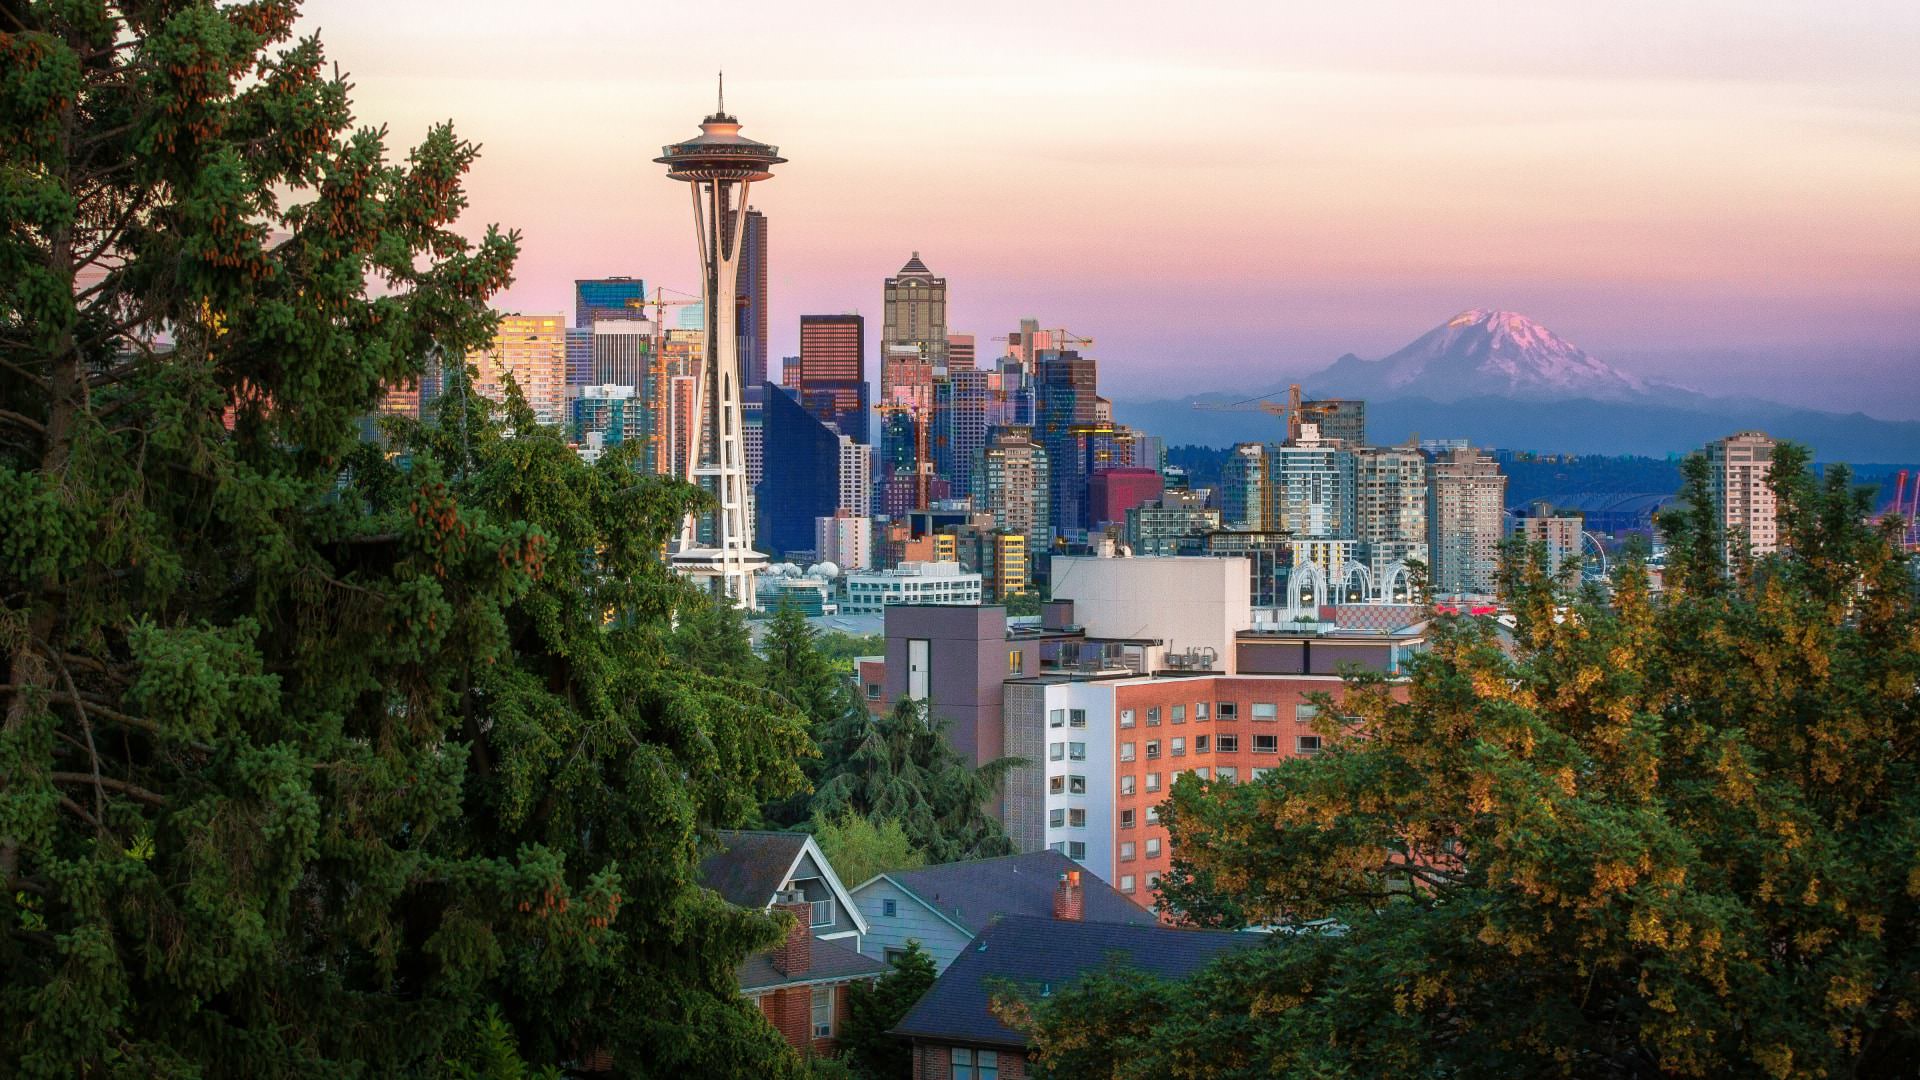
1466,502
622,350
579,355
753,300
1341,420
1243,487
1310,490
1390,508
1738,467
960,353
1559,534
914,312
830,375
533,349
596,299
1064,400
1013,483
800,478
721,165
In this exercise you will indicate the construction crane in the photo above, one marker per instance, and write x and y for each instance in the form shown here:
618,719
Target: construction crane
1263,403
657,374
1056,338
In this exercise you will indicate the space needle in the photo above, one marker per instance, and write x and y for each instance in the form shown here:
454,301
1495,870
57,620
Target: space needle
718,165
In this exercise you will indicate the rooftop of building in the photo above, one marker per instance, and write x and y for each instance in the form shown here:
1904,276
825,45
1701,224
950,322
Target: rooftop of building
1047,954
829,961
976,892
751,865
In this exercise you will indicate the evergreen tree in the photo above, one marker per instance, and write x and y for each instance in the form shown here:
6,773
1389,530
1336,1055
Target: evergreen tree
1651,836
873,1010
902,767
312,751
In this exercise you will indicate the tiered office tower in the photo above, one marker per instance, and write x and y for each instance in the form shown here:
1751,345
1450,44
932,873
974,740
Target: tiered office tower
1737,478
914,310
718,166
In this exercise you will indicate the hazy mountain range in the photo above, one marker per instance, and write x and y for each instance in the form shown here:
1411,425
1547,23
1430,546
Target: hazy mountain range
1501,379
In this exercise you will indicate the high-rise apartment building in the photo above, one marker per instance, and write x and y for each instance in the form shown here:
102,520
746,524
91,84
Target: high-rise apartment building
1390,507
1243,487
1466,502
967,405
829,377
1738,467
1157,527
616,415
579,355
1341,420
1065,404
844,539
1310,490
533,350
753,299
914,312
1013,484
600,299
1559,534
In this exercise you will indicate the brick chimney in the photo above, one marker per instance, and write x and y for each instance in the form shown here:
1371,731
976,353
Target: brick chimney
794,956
1069,902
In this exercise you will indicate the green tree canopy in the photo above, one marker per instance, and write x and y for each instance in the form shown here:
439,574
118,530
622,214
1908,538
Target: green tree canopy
859,847
313,750
873,1010
901,767
1667,835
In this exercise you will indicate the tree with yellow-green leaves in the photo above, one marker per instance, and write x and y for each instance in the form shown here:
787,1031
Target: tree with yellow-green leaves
317,757
1649,836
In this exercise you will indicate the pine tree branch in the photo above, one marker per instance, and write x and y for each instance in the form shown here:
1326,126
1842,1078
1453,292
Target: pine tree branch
131,790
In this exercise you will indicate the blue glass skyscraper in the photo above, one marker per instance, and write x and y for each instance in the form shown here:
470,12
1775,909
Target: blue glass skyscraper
606,298
800,477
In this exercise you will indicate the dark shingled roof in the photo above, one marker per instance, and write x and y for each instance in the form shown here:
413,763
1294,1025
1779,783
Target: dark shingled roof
1055,952
976,892
831,961
751,866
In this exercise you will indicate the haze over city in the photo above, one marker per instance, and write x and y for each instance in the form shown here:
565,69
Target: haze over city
1722,196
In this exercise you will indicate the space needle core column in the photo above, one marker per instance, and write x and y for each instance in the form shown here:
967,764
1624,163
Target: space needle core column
718,165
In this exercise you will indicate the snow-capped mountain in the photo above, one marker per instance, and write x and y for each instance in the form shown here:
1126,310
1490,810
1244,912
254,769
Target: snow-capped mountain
1477,354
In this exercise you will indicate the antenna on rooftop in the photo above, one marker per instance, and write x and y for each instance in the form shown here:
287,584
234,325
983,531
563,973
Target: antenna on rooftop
723,94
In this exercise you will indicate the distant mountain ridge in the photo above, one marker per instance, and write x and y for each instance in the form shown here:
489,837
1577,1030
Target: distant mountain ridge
1501,379
1483,353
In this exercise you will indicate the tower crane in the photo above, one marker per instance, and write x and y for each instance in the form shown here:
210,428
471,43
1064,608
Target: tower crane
657,373
1291,410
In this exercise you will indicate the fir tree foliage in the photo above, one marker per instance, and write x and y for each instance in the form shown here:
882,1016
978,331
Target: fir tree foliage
1673,835
902,767
312,750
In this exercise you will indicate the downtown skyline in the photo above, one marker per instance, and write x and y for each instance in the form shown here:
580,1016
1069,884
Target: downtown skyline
1650,183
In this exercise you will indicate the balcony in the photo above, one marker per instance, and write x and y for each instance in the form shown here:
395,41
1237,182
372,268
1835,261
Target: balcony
820,912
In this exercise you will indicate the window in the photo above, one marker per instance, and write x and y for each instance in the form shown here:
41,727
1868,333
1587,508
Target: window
1202,772
1076,718
1199,711
1153,749
1056,751
1077,751
1306,744
1016,662
1126,851
1266,710
976,1064
1266,744
820,912
1227,744
1228,772
1152,880
1258,773
1153,847
1199,744
1153,781
891,954
889,908
1126,817
1126,717
873,691
1056,717
1059,846
1179,747
1077,850
1056,785
1305,713
1227,710
1153,716
1057,818
1076,785
1077,819
1126,751
1126,883
1126,785
1179,714
1173,777
823,1012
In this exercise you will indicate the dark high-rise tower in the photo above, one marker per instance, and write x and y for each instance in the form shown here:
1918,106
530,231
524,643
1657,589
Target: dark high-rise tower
606,298
830,375
1065,403
753,301
914,312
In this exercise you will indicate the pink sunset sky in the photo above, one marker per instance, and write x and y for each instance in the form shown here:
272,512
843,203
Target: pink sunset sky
1225,194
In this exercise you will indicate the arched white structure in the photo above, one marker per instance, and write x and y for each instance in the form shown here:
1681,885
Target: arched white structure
1396,573
1353,569
1305,575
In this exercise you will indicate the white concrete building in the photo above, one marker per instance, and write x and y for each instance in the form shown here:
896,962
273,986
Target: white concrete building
870,591
1193,605
1079,771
